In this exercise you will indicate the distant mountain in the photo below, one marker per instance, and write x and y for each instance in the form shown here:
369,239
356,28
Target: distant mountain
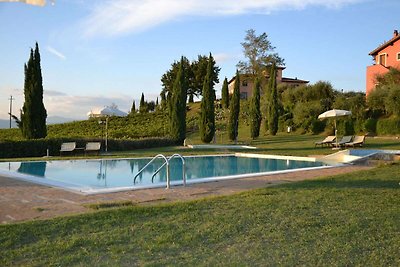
5,124
58,119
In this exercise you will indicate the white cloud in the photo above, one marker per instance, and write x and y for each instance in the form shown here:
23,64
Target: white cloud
224,57
56,53
116,17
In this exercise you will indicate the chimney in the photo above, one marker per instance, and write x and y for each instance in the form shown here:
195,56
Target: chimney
395,33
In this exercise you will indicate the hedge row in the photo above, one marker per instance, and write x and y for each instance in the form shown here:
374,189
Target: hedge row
38,147
390,126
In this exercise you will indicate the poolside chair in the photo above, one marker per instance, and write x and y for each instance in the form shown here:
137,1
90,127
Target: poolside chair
67,147
327,141
93,147
357,141
343,141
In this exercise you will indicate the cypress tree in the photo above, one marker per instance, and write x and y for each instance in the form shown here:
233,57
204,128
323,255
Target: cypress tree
163,102
225,94
178,106
255,112
133,109
234,110
273,115
142,105
207,116
33,116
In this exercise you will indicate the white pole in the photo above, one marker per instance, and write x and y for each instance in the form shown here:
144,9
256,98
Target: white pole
336,134
106,134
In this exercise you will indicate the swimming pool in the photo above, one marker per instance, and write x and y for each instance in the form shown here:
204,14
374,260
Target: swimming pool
109,175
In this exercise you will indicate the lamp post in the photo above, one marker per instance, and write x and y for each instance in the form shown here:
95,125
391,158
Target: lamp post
11,100
106,137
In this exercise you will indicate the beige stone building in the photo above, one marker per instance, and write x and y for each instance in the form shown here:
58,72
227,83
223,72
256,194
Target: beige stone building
247,82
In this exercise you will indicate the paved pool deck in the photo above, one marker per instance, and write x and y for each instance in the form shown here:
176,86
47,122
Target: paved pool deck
23,201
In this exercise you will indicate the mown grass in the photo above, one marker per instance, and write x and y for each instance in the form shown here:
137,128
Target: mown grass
350,219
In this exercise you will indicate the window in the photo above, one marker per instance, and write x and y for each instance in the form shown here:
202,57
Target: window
243,95
398,56
382,59
244,83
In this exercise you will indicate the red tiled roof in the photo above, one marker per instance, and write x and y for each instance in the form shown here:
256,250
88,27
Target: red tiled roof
295,80
384,45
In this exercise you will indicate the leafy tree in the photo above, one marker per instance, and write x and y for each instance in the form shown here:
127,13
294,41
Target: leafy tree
273,107
225,94
195,73
234,108
142,105
33,115
178,105
259,53
168,79
207,116
200,69
386,95
255,111
150,106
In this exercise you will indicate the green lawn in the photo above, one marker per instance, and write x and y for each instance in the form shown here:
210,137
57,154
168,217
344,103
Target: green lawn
350,219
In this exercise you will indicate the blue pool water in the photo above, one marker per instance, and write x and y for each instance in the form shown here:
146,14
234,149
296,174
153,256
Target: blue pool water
119,173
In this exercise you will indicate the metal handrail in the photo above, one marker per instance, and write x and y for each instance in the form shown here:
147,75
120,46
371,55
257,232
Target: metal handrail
183,168
153,159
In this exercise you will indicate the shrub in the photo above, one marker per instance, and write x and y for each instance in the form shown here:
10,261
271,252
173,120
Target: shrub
318,126
345,127
388,126
370,125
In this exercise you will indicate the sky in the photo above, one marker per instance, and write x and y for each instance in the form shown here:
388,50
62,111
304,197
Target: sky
95,53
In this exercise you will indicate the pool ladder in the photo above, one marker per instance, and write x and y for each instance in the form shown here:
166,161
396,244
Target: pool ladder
166,163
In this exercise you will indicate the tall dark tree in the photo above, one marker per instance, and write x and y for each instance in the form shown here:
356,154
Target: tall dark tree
178,105
33,115
207,116
133,109
255,111
259,53
273,104
142,105
225,94
234,108
163,103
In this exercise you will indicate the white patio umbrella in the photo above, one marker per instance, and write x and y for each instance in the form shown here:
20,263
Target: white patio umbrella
334,113
107,111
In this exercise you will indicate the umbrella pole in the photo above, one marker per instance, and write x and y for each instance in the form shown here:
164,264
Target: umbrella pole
336,135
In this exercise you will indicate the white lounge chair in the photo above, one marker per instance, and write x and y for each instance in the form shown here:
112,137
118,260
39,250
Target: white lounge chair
327,141
357,141
93,147
67,147
343,141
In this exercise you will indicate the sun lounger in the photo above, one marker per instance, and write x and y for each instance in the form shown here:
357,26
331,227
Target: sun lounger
357,141
327,141
343,141
67,147
93,147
